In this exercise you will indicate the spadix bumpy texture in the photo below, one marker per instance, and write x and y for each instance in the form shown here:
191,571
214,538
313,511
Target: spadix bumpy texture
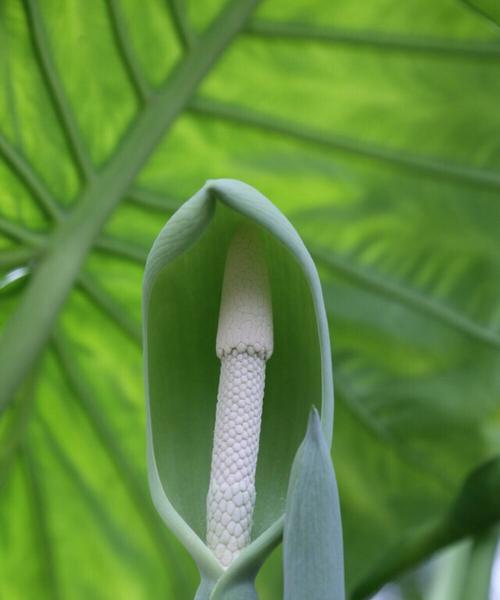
244,343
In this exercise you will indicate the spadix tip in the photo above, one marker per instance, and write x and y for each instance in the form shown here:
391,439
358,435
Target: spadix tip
245,317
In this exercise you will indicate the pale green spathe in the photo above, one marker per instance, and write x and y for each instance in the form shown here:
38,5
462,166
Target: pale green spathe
182,286
313,556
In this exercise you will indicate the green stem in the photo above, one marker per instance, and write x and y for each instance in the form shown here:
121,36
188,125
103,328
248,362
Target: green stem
29,327
238,590
449,569
478,573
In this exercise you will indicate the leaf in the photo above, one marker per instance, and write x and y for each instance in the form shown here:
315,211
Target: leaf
473,513
486,8
312,540
375,129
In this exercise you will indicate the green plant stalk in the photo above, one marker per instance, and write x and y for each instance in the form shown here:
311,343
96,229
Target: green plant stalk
29,327
448,577
478,574
464,571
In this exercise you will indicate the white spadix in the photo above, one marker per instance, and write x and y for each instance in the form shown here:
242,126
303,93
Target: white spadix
244,343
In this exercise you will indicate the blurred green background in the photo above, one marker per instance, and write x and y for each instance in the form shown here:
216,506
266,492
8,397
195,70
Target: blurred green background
374,126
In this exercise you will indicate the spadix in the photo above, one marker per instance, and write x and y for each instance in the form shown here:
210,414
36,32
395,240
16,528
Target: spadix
244,343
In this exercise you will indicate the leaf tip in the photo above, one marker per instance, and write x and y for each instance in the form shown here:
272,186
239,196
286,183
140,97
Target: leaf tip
314,425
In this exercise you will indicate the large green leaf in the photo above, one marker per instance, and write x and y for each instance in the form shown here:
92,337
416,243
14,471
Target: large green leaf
373,126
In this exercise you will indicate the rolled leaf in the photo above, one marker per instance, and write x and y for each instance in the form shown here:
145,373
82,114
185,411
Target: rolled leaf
313,554
181,298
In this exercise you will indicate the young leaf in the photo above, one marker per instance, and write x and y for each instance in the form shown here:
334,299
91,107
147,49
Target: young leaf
313,556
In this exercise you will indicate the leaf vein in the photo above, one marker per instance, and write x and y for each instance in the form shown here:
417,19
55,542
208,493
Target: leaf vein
56,92
373,39
126,472
19,346
41,527
181,23
30,179
139,83
407,297
429,165
109,306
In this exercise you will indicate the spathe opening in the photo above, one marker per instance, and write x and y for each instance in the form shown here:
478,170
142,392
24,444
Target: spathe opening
183,371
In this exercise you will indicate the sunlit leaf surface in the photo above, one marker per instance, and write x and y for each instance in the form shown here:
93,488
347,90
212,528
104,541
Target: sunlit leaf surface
374,126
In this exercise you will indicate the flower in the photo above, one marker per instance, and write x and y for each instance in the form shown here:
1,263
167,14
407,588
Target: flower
181,303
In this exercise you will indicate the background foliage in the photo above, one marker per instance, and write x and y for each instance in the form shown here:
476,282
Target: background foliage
375,128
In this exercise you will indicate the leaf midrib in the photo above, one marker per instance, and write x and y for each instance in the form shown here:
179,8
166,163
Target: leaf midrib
39,307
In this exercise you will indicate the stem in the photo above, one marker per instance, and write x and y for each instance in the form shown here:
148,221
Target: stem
478,574
448,577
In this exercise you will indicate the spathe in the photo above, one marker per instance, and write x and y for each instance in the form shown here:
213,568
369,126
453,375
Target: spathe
181,295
